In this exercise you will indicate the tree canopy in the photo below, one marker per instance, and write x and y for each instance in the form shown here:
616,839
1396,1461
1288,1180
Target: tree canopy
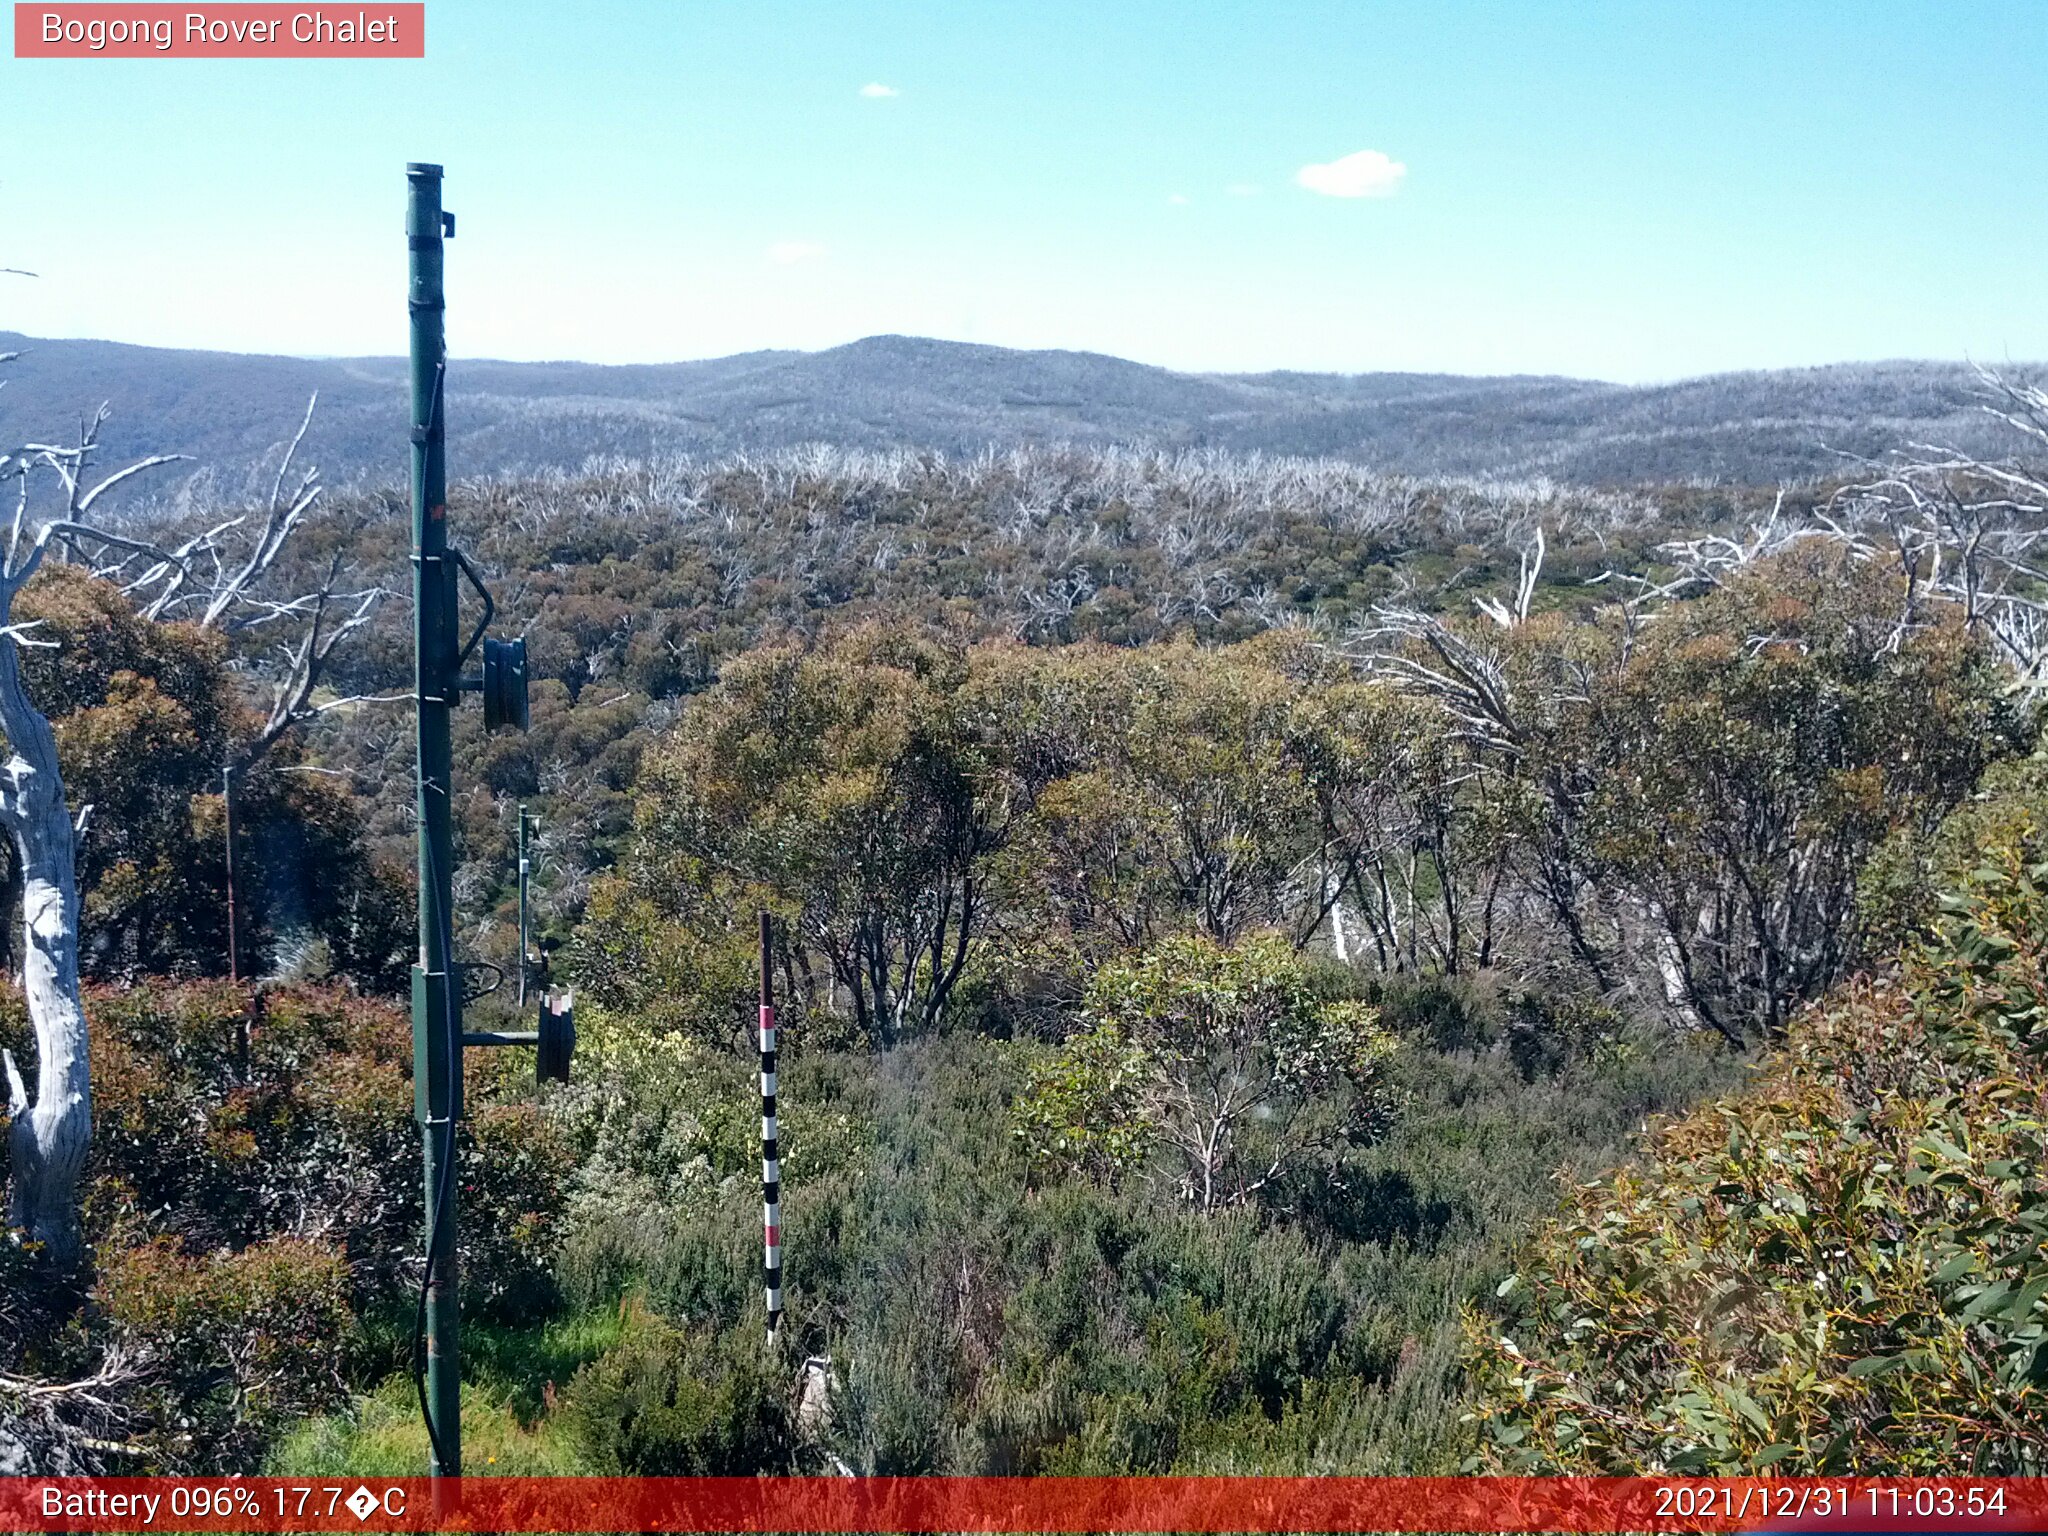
1840,1267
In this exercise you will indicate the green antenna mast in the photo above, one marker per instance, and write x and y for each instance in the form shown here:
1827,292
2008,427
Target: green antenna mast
439,683
436,995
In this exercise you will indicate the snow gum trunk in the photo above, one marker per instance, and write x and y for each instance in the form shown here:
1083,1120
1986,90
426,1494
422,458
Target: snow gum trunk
48,1138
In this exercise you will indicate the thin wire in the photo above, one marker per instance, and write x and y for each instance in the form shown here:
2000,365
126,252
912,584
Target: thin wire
419,1318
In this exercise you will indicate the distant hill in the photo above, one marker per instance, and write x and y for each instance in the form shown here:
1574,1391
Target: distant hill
229,410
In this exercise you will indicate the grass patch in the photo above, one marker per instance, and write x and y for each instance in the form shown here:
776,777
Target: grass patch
381,1436
521,1364
505,1427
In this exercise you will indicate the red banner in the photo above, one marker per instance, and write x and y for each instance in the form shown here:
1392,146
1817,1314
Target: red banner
237,31
1025,1504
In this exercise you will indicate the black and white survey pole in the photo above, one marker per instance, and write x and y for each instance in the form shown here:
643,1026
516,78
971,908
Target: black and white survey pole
440,655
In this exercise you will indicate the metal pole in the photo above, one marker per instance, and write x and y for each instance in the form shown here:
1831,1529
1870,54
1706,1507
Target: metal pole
227,810
771,1159
436,996
524,866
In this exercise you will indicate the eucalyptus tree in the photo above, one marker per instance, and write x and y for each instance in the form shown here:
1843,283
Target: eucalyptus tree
214,579
1962,533
48,1134
845,786
1691,781
1223,1056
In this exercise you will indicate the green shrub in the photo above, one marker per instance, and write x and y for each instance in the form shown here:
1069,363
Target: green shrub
1899,895
673,1403
225,1114
232,1348
1224,1056
253,1197
660,1117
634,960
1839,1268
514,1170
1082,1111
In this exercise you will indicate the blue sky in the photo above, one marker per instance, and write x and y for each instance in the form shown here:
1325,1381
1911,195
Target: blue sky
1620,190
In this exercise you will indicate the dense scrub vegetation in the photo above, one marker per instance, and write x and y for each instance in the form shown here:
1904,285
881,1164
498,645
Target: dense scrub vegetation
987,1313
1674,815
1216,901
146,714
637,583
254,1206
1842,1265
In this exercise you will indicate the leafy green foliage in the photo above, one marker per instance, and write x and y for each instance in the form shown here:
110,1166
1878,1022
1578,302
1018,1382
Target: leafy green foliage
1222,1054
225,1114
1757,747
233,1346
145,715
669,1403
1654,810
841,785
254,1201
1082,1110
636,958
1841,1266
638,585
987,1315
664,1121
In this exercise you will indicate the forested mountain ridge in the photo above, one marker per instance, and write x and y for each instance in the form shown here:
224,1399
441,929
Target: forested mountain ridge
228,410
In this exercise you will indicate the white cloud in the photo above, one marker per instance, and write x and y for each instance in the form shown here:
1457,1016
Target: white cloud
1365,174
1178,199
874,90
787,253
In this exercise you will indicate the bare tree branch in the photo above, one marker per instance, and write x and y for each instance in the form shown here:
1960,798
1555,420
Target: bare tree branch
48,1138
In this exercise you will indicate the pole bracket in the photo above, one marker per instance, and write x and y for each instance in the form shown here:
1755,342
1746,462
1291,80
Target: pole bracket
436,1059
490,608
554,1040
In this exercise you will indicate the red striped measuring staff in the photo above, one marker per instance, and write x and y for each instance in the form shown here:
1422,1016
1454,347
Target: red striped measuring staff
771,1156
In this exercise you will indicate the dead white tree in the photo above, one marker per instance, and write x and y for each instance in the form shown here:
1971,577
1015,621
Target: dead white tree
1503,713
215,579
1967,533
1418,651
206,579
47,1136
1525,587
62,1427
